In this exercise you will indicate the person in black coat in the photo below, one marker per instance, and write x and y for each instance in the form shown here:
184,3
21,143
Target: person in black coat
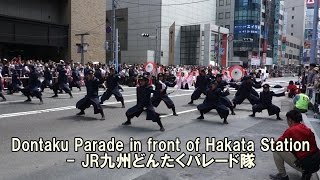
201,86
221,84
33,88
1,89
144,91
245,92
16,84
112,88
213,101
47,82
161,95
63,83
75,74
92,97
266,102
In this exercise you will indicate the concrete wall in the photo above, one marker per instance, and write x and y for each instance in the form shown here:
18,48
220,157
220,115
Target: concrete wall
228,6
42,10
298,11
88,16
183,15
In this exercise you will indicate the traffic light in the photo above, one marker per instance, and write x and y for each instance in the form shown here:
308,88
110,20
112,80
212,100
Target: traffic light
144,35
247,39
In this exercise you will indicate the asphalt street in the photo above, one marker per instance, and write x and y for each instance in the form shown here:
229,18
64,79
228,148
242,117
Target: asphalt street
57,118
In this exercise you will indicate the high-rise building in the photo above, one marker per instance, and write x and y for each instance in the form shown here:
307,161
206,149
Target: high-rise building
308,34
256,26
45,29
296,17
174,28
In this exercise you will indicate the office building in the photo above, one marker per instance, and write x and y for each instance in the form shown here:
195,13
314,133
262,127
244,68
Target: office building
168,24
45,29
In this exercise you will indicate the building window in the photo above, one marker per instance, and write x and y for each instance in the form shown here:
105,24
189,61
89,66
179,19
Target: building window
291,34
292,17
228,27
228,2
227,15
292,8
221,2
220,15
292,25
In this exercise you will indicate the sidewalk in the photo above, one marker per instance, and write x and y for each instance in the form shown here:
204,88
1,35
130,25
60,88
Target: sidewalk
314,125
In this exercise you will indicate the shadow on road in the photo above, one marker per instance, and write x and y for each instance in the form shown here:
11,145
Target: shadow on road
79,118
134,129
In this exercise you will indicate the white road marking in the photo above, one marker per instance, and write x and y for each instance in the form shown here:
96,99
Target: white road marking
17,101
181,112
67,108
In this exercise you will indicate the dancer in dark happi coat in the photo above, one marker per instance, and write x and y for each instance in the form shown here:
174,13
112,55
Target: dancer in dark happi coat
33,88
16,84
201,86
161,95
144,91
1,88
92,97
47,82
221,84
245,92
112,88
75,74
63,83
212,101
266,102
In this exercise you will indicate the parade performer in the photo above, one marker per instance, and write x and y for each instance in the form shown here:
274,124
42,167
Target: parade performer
62,83
33,88
266,102
47,82
245,92
1,89
144,91
16,84
224,100
212,101
112,88
92,97
161,95
75,74
201,86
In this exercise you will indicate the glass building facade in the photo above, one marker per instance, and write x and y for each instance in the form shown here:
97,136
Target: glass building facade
246,25
190,45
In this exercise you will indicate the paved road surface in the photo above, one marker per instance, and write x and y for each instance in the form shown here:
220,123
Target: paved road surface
56,118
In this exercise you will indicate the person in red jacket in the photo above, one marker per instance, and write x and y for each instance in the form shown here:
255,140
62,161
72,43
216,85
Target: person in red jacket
306,162
292,89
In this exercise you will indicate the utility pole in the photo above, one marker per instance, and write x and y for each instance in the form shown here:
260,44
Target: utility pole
116,56
314,44
156,53
219,42
82,46
114,32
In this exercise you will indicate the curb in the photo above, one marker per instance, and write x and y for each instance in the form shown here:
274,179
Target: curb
308,124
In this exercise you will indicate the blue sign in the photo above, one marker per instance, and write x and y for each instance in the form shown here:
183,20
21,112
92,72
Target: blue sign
246,29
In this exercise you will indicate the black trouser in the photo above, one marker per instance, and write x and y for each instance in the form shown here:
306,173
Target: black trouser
156,100
86,102
106,95
136,111
197,93
272,109
206,107
64,87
